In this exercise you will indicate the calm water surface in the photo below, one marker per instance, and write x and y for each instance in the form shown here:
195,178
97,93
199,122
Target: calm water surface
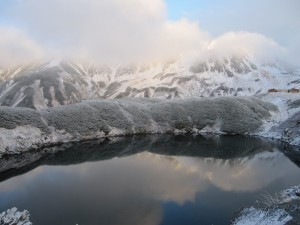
164,180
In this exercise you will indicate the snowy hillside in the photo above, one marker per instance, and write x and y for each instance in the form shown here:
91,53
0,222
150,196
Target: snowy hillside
44,85
24,129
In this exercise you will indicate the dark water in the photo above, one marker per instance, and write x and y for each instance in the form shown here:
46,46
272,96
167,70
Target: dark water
164,180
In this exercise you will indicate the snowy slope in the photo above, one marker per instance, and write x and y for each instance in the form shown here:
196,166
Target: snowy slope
44,85
23,129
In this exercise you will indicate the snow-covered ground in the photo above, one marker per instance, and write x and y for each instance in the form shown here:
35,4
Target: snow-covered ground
284,123
275,211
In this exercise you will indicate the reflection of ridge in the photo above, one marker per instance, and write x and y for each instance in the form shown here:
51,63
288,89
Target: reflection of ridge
194,164
222,147
230,149
266,156
293,153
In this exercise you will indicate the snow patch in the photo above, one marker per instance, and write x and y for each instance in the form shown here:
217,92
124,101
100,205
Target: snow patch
284,112
14,141
53,63
291,194
19,138
214,129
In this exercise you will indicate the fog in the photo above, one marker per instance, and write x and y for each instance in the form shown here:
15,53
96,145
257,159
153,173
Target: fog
120,31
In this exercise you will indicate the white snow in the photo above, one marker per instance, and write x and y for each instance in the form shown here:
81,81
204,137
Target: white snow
254,216
174,74
290,194
281,100
14,217
14,141
18,138
53,63
274,216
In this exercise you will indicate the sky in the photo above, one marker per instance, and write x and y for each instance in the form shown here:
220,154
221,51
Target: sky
278,19
118,30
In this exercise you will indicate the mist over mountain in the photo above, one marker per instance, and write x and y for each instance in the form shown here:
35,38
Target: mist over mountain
206,92
56,53
61,82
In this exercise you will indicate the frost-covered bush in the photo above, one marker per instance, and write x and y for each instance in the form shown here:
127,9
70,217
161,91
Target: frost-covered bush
234,115
102,118
252,216
278,209
14,217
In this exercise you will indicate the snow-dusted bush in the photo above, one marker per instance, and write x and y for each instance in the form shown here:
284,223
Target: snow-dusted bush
274,210
14,217
22,129
253,216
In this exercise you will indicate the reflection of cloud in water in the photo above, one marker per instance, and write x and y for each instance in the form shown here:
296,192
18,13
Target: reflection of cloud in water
241,174
245,174
129,191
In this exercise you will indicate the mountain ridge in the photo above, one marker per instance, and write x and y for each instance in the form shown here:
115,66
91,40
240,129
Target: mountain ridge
61,82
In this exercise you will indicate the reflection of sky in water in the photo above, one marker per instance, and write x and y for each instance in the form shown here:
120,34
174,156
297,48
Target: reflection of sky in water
147,189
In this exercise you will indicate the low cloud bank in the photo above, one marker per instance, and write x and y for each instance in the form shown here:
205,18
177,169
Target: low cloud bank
118,31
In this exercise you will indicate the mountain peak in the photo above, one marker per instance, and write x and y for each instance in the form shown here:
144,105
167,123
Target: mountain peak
60,82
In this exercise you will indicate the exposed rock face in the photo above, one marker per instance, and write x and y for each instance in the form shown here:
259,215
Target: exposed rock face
23,129
51,84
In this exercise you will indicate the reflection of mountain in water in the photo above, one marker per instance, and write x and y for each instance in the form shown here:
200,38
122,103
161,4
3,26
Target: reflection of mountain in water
228,150
145,180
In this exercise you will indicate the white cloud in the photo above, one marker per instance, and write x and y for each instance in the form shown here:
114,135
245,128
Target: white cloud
16,47
118,30
101,29
278,19
245,43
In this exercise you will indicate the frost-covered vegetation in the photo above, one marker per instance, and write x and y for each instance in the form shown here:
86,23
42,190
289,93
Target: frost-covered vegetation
284,123
279,209
14,217
24,129
254,216
273,115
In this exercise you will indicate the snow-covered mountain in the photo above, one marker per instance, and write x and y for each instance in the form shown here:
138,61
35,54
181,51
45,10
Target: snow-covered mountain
43,85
